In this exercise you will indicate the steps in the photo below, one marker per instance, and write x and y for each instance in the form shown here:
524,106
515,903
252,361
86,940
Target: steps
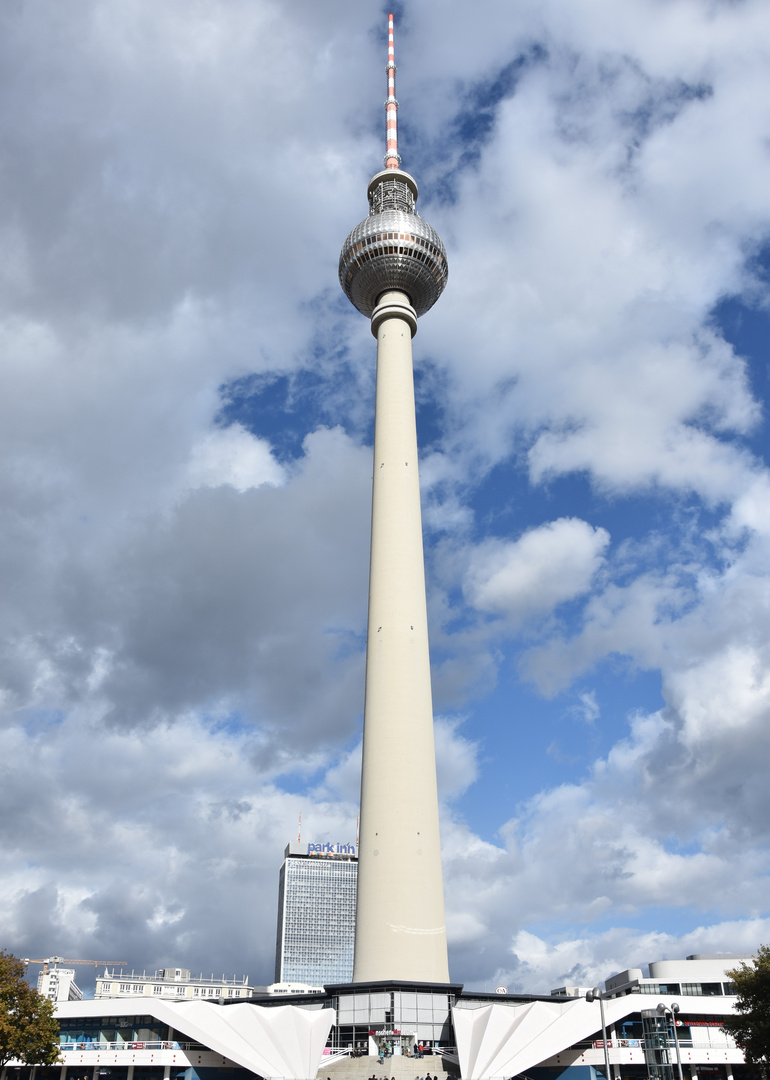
402,1068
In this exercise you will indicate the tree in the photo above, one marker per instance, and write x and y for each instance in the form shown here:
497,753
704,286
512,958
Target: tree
751,1027
28,1028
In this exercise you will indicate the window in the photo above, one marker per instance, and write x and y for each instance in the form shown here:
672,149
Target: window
702,989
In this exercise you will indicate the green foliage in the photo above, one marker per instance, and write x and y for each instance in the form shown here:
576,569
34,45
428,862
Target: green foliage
751,1027
28,1030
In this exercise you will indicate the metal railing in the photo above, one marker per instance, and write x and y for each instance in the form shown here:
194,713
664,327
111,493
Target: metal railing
164,1044
638,1044
332,1054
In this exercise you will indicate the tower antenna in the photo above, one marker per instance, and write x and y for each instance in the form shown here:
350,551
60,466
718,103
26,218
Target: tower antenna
392,157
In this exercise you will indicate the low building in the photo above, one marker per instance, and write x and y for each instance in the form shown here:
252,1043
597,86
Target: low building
183,1040
293,988
700,975
172,983
548,1037
473,1035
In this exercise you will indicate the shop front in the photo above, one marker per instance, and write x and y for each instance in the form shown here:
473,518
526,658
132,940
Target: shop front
394,1042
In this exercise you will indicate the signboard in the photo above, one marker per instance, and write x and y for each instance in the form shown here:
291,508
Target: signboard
331,849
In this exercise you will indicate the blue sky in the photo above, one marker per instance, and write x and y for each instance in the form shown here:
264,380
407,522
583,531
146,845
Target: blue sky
186,440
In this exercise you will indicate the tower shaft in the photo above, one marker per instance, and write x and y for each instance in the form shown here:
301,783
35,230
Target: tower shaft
400,923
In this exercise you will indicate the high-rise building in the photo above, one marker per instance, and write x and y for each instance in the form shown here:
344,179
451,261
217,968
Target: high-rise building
393,268
316,914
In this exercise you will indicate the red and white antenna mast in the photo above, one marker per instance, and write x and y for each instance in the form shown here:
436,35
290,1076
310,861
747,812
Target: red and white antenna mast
392,158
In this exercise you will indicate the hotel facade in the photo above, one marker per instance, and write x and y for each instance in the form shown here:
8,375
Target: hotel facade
316,914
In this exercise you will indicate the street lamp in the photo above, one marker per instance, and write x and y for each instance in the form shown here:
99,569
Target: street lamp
597,995
673,1011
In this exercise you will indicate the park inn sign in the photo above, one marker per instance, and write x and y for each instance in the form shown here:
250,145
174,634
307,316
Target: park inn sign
331,849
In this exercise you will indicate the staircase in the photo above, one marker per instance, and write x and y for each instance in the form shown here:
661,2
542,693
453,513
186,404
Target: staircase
401,1068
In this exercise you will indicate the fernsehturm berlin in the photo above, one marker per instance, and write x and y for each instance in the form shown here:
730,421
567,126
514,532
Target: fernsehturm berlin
393,268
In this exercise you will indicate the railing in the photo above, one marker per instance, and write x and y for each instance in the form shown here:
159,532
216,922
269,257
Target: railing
445,1052
330,1055
92,1044
634,1044
638,1044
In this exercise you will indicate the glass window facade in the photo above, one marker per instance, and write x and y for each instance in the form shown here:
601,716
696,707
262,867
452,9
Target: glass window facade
316,920
702,989
401,1017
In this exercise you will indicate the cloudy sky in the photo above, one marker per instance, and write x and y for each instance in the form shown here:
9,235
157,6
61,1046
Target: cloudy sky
186,438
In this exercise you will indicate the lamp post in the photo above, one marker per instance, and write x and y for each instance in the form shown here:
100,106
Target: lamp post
673,1011
597,995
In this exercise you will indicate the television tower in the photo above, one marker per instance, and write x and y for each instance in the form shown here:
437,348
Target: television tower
393,268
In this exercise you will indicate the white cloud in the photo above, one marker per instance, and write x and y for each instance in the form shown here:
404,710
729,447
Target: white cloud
545,567
589,960
233,456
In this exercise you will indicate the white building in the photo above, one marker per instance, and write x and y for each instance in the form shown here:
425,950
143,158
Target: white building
59,984
700,975
170,983
294,988
546,1038
476,1036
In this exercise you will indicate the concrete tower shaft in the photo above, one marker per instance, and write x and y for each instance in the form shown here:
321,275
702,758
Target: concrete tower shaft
400,924
393,267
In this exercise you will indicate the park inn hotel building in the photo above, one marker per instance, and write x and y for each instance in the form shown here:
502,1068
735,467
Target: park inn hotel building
316,914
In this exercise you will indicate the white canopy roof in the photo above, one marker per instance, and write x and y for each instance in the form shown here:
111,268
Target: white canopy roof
505,1040
280,1041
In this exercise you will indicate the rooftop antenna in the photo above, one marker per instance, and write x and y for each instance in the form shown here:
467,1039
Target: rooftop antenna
392,156
299,829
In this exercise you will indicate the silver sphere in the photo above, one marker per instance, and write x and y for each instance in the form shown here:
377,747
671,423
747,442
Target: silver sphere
393,248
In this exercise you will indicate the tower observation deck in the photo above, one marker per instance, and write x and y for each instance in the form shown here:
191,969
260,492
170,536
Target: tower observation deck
393,268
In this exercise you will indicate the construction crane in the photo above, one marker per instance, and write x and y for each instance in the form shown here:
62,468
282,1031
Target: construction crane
58,961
